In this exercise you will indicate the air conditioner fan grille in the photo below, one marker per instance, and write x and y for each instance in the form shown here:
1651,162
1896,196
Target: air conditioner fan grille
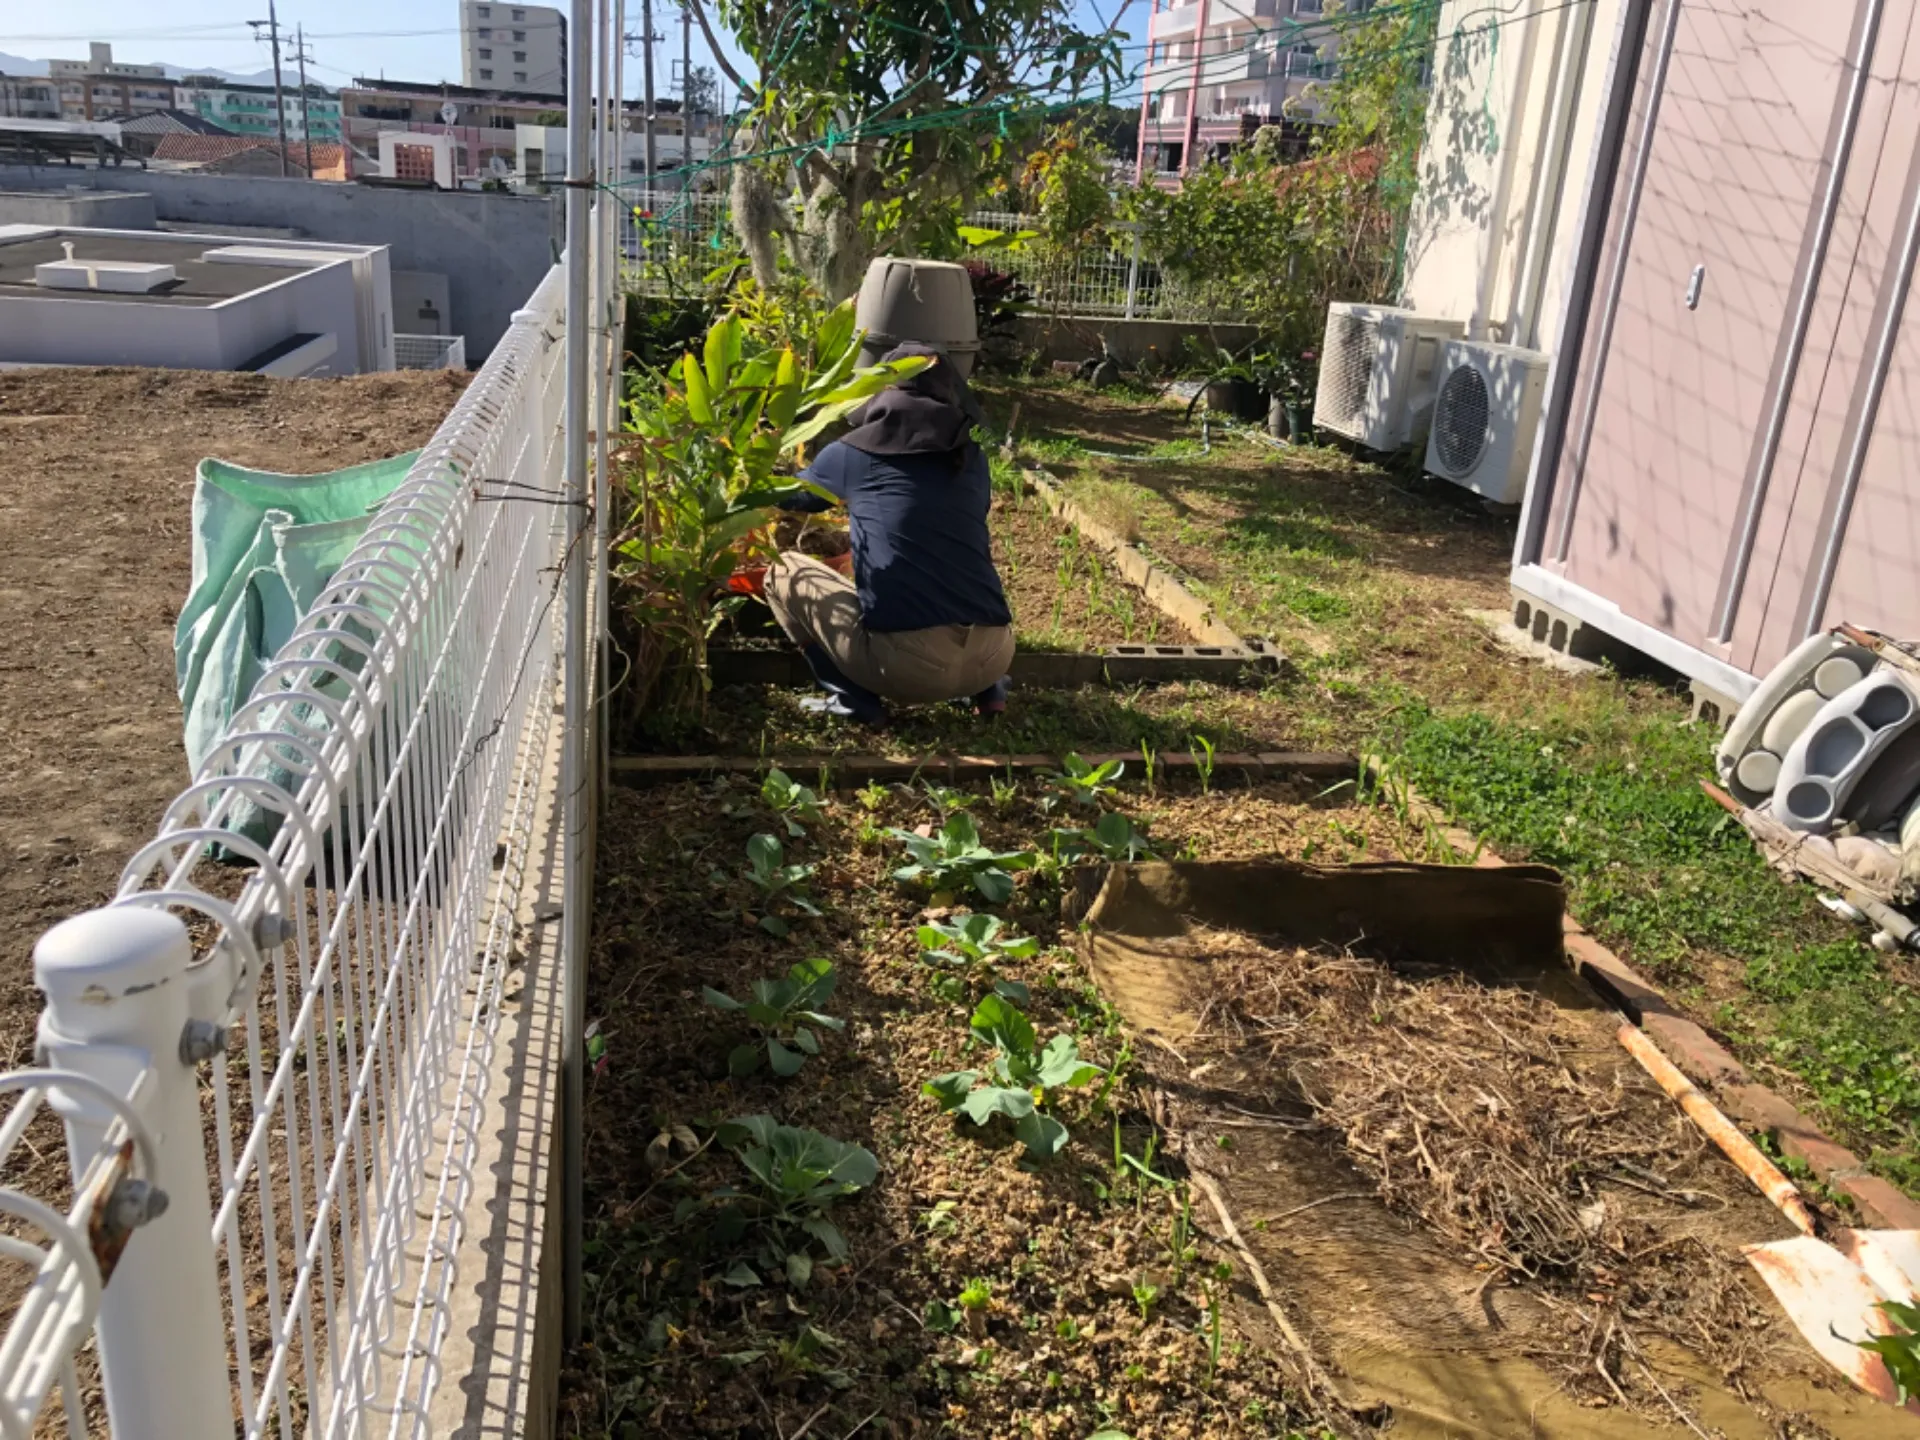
1460,418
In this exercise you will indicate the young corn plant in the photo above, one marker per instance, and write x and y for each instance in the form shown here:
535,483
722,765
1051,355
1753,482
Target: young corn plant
1085,784
777,881
791,801
796,1177
952,859
1020,1082
1113,837
1201,749
783,1011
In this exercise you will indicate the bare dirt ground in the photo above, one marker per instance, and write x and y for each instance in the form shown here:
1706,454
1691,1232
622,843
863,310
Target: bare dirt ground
94,565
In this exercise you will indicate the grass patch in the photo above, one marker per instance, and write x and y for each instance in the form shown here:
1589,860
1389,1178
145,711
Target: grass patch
1660,871
1363,578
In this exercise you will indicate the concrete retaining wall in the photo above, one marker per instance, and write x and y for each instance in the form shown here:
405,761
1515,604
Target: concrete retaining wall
493,248
98,209
1131,341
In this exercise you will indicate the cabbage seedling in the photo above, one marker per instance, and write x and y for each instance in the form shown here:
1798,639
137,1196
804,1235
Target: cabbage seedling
773,880
973,939
1082,783
1115,838
953,858
791,801
777,1010
1019,1081
797,1176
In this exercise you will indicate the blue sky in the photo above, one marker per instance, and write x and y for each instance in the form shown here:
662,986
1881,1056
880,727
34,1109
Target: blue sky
407,40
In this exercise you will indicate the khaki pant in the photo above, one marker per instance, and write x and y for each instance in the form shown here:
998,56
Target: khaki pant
815,603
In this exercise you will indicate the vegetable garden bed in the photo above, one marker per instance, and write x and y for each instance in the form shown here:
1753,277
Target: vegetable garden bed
978,1294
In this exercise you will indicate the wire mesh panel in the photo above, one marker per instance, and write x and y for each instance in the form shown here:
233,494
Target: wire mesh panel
429,352
375,790
670,240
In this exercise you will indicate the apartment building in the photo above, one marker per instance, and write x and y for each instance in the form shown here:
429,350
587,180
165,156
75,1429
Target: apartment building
100,86
480,120
28,97
1217,70
513,47
249,109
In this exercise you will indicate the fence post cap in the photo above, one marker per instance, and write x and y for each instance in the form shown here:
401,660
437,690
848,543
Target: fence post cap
106,955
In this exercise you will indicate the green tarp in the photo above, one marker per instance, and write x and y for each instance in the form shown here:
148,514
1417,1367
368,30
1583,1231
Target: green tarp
264,547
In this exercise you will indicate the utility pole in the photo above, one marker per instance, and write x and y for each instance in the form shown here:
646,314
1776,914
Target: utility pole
646,41
686,87
306,118
272,22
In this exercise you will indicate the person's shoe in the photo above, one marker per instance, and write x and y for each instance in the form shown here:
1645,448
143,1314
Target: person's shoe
844,699
993,699
844,707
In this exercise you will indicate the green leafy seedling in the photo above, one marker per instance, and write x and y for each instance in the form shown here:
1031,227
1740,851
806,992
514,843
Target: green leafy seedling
1113,837
791,801
1019,1082
776,880
871,796
973,938
1201,749
783,1012
945,799
1145,1295
953,859
974,1301
797,1175
1082,783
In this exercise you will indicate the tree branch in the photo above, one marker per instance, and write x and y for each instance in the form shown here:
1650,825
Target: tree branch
713,46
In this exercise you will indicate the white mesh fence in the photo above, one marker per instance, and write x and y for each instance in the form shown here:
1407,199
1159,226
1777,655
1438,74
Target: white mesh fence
378,790
670,240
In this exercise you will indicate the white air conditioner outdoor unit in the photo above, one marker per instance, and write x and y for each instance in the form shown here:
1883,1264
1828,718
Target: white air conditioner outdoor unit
1378,369
1485,416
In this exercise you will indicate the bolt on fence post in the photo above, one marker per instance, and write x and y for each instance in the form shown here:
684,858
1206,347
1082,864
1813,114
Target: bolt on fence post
117,1006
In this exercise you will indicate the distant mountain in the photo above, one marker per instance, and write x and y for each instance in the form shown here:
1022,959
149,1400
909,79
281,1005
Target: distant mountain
20,65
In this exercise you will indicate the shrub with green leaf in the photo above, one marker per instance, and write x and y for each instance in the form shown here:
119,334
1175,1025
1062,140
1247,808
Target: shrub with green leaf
697,484
1019,1082
797,1175
782,1011
776,881
791,801
952,859
1114,837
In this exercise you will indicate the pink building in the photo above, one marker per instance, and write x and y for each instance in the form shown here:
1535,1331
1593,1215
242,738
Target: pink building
1217,70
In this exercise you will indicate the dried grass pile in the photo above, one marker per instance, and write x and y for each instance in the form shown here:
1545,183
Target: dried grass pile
1512,1129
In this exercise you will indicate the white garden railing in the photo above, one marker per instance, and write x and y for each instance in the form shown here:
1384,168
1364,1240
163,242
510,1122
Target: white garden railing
279,1068
670,239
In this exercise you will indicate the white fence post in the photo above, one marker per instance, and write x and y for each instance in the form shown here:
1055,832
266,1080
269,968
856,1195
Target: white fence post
1133,273
117,1012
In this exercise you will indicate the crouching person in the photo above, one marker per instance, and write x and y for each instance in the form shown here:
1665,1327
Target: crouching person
924,618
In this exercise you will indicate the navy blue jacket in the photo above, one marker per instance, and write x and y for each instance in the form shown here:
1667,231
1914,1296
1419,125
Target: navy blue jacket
921,556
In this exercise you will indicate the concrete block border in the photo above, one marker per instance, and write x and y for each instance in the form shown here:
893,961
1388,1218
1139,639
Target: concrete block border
1168,594
1706,1061
850,772
1040,669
